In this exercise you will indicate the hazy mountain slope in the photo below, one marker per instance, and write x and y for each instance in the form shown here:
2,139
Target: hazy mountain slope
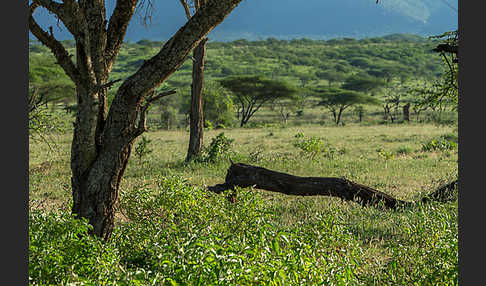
254,19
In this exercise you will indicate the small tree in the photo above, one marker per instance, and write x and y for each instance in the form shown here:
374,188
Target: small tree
395,96
337,100
306,78
443,92
168,116
251,92
285,107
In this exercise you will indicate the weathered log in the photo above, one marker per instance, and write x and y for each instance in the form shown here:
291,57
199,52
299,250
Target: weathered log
445,193
243,175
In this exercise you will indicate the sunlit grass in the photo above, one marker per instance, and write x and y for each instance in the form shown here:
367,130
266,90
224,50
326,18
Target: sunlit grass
324,238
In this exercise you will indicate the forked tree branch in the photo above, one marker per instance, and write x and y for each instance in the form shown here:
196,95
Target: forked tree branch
142,122
62,56
68,13
186,9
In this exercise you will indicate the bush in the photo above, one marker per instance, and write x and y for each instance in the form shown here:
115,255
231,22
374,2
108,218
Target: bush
217,149
187,236
208,125
142,149
62,251
168,117
311,147
439,144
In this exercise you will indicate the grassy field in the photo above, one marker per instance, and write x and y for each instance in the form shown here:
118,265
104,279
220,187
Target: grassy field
170,231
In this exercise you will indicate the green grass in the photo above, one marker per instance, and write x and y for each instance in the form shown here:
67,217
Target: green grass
171,231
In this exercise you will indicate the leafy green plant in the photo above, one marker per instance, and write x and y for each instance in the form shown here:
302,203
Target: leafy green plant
177,234
61,250
310,146
142,149
450,137
208,125
439,144
217,149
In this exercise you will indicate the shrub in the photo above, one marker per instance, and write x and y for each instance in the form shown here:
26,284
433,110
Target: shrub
450,137
310,146
208,125
62,251
217,149
439,144
142,149
384,154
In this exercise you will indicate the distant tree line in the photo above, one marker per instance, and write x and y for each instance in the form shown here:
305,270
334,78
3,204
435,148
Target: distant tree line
390,71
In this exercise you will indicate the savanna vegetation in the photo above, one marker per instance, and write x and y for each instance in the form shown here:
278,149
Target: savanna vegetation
345,117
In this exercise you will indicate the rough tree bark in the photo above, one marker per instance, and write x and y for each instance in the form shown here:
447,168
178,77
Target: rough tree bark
103,139
196,114
244,175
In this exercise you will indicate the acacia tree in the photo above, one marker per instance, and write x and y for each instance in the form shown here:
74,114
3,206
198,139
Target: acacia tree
285,107
251,92
103,138
337,100
196,114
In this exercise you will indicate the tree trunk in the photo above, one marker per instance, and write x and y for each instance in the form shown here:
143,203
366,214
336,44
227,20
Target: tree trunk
99,154
334,116
102,140
96,192
243,175
339,115
196,113
406,112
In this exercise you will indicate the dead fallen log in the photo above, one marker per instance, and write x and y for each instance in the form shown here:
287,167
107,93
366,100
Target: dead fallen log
243,175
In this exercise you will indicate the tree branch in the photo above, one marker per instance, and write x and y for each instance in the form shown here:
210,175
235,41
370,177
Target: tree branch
109,84
51,6
68,13
142,124
62,56
186,9
117,27
175,51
